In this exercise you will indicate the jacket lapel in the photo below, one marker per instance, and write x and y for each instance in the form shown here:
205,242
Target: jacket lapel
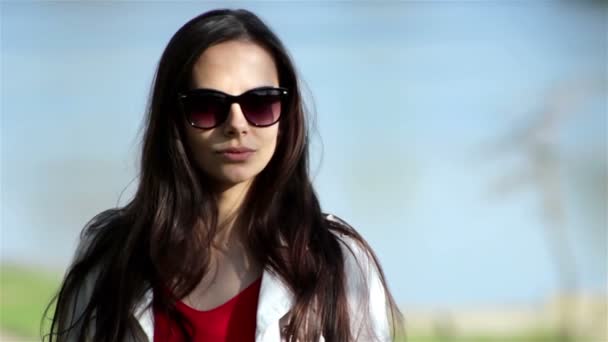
145,315
274,302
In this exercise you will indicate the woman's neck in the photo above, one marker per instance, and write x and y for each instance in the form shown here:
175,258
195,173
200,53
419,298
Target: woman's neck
230,199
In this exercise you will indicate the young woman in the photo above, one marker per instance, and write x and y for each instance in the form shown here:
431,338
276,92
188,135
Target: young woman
224,239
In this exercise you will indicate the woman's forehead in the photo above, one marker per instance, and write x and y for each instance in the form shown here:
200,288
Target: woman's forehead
234,67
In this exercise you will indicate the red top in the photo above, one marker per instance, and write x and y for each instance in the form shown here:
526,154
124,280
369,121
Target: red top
233,321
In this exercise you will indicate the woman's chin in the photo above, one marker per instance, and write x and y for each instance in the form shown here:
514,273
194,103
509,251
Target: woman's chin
234,177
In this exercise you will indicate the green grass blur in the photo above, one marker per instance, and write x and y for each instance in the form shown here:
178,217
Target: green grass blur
24,295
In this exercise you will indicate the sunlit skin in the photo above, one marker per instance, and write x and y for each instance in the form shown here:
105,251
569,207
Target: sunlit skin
232,67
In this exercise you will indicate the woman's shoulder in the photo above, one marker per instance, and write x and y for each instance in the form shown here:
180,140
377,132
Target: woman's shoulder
82,275
365,288
357,252
98,231
347,234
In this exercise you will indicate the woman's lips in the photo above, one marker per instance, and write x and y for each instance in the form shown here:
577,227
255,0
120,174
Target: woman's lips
236,154
236,150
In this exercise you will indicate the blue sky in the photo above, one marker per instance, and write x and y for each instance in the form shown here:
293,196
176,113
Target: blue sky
409,97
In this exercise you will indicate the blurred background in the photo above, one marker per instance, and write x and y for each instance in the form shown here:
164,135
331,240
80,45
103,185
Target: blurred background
466,141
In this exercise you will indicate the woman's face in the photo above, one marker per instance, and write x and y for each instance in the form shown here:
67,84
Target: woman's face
233,67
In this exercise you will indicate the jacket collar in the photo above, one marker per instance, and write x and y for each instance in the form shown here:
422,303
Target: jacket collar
274,302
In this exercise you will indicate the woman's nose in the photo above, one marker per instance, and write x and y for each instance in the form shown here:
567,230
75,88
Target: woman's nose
236,123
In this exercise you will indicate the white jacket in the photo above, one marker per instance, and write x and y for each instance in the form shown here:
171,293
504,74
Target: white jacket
368,323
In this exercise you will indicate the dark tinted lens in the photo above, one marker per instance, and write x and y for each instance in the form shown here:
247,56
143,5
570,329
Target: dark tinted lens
262,108
204,111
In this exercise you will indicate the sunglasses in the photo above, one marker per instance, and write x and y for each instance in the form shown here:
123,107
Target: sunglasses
208,108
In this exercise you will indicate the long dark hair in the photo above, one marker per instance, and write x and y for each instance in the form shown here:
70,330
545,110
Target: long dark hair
156,239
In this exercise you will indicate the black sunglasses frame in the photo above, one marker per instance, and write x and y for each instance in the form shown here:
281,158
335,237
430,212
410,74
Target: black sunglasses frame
228,100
